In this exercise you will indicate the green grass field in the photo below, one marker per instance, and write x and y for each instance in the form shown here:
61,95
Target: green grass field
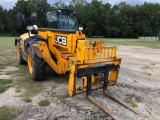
130,42
7,51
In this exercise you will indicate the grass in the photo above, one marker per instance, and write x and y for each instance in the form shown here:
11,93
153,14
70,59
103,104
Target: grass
91,106
146,67
5,81
62,96
44,103
89,118
147,73
130,42
128,99
4,84
31,88
7,43
27,99
54,87
2,67
9,113
18,89
7,51
11,72
59,79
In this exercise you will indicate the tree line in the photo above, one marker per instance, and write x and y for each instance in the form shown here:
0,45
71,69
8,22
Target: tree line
98,19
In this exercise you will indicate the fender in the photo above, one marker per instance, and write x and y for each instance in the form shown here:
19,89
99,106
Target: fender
32,40
17,39
29,43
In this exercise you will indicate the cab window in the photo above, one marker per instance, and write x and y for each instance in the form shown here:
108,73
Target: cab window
52,20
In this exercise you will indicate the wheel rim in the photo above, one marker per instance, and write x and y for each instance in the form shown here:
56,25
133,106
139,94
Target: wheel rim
30,64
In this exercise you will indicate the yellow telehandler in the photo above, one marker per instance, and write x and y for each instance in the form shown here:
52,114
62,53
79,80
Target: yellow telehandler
64,47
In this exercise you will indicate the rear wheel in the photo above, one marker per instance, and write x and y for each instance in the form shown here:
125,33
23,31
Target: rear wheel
21,61
36,66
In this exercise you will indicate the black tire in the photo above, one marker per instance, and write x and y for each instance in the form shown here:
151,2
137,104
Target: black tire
36,66
21,61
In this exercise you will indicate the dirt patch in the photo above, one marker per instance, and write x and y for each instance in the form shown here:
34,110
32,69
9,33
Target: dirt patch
5,69
11,99
139,76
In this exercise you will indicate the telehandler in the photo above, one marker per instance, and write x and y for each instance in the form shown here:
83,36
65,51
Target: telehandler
64,47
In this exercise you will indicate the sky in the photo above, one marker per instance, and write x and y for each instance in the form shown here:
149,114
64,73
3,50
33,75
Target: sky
8,4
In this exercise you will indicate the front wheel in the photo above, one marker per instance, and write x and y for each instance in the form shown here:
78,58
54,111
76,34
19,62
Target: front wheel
36,66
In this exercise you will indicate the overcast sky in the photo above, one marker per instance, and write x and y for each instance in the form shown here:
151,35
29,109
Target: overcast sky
7,4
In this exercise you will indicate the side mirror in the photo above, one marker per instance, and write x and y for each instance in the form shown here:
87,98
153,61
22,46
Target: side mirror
21,19
34,15
32,18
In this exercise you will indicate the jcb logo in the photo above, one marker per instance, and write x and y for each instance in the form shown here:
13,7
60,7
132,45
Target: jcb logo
61,40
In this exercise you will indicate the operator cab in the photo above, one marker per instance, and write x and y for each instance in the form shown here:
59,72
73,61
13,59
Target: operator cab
62,19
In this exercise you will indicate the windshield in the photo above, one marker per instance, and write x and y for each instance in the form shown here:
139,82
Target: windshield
67,22
63,20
